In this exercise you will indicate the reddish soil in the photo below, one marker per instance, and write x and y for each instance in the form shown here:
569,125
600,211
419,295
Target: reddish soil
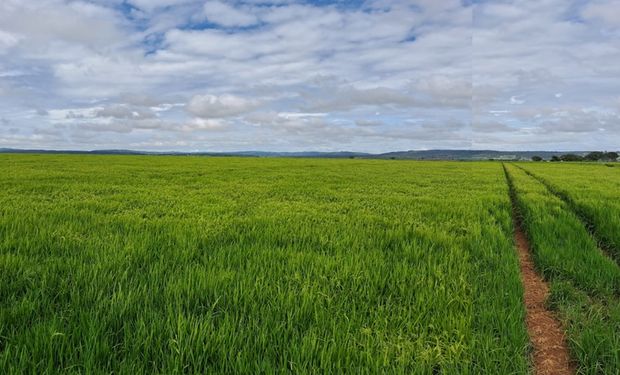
551,355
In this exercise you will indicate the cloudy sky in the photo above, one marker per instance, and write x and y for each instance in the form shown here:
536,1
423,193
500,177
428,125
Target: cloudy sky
292,75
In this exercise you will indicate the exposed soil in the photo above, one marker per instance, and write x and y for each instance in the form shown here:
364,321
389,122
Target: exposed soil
551,354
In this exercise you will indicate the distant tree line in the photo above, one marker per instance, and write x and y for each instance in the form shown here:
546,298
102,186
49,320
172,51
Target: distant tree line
592,156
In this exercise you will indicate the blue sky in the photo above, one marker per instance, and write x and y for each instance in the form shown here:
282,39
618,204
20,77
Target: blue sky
285,75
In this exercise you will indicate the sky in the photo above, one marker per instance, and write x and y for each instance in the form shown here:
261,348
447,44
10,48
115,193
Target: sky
301,75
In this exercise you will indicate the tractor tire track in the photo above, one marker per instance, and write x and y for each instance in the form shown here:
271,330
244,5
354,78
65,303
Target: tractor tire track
603,244
550,350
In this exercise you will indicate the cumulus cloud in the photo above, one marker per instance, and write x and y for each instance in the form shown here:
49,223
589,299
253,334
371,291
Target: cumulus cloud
214,106
546,79
347,97
125,112
275,75
52,21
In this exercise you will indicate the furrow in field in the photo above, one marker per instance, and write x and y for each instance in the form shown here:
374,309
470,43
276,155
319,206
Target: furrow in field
604,243
584,283
551,353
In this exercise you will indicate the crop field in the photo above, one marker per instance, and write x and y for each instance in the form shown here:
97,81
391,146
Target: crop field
593,191
153,264
585,282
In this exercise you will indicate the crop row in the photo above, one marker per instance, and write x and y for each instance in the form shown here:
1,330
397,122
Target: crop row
585,283
593,192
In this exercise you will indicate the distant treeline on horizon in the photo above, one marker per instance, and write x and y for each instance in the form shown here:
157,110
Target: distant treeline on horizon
592,156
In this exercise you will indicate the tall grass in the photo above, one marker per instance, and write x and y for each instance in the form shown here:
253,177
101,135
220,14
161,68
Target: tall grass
593,192
119,264
585,284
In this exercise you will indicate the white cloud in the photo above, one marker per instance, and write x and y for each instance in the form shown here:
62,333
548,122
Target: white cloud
41,22
7,40
378,76
606,11
59,116
445,90
213,106
203,124
547,67
125,112
226,15
349,97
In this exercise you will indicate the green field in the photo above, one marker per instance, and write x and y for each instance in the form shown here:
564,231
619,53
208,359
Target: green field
593,191
138,264
585,282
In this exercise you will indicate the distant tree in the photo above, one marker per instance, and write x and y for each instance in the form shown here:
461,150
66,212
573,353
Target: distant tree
571,157
601,156
555,158
536,158
594,156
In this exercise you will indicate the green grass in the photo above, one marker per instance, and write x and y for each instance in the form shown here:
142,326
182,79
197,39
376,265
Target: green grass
120,264
585,283
593,192
561,245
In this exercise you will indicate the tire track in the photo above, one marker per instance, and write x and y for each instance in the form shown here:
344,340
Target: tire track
603,244
550,350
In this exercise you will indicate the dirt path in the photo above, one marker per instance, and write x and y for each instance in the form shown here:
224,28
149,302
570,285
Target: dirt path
551,355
